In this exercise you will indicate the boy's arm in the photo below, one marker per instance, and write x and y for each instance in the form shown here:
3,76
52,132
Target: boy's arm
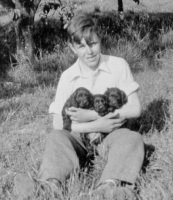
132,109
110,122
107,123
82,115
77,115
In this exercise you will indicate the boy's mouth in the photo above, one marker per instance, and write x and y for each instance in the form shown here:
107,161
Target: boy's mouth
91,57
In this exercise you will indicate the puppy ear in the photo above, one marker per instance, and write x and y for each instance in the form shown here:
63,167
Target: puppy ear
91,99
73,98
123,97
106,92
106,100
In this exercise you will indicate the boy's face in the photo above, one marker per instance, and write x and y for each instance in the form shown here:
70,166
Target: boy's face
89,54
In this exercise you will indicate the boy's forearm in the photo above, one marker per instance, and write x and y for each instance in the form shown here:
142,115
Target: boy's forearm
129,112
86,127
93,115
76,127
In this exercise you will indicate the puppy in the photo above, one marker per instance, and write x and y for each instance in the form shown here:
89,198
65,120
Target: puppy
100,104
116,98
81,98
112,99
91,140
101,107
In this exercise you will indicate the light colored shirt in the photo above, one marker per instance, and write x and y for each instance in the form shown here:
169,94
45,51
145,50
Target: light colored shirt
111,72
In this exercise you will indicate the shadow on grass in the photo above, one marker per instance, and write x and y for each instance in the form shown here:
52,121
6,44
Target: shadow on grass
149,149
13,90
152,118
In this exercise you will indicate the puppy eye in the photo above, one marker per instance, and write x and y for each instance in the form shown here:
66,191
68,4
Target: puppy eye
84,94
79,95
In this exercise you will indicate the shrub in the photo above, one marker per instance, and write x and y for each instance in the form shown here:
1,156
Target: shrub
166,39
23,72
8,47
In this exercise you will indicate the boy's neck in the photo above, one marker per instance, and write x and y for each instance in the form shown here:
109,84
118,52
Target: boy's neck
86,70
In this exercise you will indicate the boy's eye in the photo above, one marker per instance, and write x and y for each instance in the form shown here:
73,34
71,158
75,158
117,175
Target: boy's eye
92,43
81,46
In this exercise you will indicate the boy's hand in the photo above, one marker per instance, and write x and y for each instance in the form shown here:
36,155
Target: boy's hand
81,115
109,122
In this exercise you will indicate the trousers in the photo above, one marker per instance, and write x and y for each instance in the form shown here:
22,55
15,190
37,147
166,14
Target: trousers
65,152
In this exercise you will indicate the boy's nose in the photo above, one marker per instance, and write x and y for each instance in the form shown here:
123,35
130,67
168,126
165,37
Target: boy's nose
89,49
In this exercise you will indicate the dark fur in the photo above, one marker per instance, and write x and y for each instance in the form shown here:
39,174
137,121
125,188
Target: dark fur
116,98
112,99
81,98
101,107
100,104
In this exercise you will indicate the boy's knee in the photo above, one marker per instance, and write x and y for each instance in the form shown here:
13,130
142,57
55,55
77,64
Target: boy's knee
135,140
136,137
126,138
56,135
137,145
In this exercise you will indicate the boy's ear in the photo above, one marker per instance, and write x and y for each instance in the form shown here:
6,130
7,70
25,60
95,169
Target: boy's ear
72,47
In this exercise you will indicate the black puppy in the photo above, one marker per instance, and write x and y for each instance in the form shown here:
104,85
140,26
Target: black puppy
111,100
116,98
91,140
101,107
81,98
100,104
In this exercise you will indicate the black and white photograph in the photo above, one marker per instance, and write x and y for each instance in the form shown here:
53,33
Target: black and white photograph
86,99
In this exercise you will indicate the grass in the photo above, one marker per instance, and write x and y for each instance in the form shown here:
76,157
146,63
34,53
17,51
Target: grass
25,122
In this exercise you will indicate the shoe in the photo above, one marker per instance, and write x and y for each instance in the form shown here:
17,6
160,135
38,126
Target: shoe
24,186
112,190
54,186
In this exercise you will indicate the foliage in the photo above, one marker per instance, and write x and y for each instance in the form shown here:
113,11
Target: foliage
139,28
7,44
48,36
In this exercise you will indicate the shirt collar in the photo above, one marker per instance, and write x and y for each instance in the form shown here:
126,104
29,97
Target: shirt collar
76,72
103,65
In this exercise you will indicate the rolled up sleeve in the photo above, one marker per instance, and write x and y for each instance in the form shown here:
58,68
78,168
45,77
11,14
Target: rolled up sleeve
126,81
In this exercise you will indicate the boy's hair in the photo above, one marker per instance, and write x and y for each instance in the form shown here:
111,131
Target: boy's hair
82,25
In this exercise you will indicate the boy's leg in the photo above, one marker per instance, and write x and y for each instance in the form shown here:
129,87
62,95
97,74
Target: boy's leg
63,154
125,157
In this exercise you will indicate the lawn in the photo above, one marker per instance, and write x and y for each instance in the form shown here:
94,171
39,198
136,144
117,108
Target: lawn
25,122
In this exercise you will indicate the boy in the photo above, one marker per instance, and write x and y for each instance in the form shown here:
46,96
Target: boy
64,151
